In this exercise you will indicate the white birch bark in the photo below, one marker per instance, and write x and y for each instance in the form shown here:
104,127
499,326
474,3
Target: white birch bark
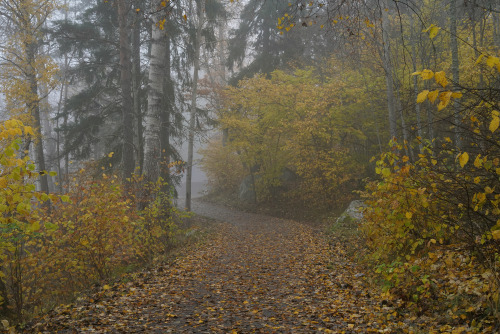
194,97
152,123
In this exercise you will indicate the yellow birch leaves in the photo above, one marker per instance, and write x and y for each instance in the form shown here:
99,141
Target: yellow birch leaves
444,96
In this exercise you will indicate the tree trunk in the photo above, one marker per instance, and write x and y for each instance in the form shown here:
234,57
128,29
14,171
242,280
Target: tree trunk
33,106
387,64
455,69
166,112
495,13
152,125
136,82
125,83
415,83
194,97
47,126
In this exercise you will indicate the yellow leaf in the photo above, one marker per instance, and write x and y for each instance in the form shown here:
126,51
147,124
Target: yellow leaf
495,122
110,154
409,215
416,73
445,96
433,31
496,234
422,96
492,61
427,74
456,95
432,96
479,59
106,287
478,162
185,17
29,130
445,100
442,105
463,159
440,78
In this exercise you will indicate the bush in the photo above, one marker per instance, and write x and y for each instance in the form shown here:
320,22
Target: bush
223,167
433,225
90,234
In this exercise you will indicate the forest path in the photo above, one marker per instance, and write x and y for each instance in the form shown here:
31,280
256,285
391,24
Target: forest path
258,274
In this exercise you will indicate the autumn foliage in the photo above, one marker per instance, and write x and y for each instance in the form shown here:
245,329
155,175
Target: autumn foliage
297,122
88,235
433,224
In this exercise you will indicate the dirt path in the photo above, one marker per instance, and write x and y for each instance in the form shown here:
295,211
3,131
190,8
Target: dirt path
257,275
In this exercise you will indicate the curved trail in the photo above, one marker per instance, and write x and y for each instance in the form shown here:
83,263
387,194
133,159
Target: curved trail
258,274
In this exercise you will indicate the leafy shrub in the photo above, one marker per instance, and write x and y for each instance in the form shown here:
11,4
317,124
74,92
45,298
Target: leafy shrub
48,253
223,167
433,224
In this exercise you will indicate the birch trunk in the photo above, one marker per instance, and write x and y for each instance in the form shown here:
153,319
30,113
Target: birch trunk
166,111
34,108
194,96
152,124
136,87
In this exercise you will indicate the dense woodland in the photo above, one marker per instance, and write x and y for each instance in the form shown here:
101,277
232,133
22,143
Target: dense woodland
316,102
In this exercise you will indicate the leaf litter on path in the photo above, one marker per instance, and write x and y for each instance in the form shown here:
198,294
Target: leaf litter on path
257,274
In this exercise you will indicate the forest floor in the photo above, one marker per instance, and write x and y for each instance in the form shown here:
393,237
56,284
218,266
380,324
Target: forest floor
255,274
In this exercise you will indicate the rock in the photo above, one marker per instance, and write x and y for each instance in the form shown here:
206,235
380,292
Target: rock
352,212
247,191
